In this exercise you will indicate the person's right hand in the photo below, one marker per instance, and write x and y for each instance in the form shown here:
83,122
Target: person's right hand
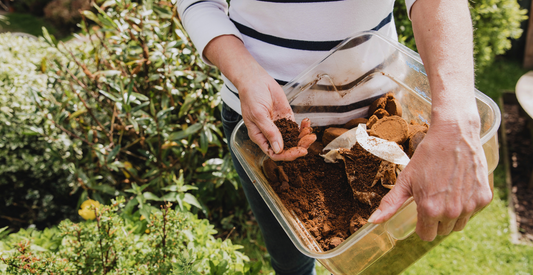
262,102
262,99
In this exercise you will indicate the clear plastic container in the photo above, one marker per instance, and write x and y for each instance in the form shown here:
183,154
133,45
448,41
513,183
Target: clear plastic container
345,82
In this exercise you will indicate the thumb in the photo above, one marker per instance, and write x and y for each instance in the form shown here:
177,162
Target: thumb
392,201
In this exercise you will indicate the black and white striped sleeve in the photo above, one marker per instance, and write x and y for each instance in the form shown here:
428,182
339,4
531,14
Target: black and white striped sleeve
205,20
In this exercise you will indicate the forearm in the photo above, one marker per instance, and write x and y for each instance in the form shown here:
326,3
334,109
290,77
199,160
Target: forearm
229,54
443,33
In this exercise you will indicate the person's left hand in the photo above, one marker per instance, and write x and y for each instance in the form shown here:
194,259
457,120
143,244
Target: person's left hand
447,176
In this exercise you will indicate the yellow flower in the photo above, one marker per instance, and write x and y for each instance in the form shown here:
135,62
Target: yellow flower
147,231
142,218
87,209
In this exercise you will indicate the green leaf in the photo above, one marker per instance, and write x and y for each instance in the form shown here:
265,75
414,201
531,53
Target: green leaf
77,113
92,16
189,100
130,89
146,210
110,96
186,133
152,108
162,12
190,199
105,188
138,107
140,96
108,73
151,196
161,114
49,38
135,124
113,153
203,143
130,205
171,197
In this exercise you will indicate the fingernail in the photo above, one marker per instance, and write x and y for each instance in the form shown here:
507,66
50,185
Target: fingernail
276,147
374,216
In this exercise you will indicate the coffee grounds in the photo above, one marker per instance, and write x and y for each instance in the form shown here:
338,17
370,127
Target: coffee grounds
289,131
319,193
361,169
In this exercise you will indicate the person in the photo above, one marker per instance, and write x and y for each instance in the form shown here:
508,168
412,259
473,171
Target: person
262,44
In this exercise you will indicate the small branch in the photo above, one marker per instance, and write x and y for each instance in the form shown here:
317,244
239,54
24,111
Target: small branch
229,234
89,110
12,219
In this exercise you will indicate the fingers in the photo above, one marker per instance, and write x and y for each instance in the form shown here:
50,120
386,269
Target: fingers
305,131
391,202
460,224
426,228
289,155
263,132
446,228
306,122
307,140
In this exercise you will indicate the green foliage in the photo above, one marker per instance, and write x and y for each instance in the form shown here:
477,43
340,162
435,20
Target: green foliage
495,23
138,104
33,175
172,242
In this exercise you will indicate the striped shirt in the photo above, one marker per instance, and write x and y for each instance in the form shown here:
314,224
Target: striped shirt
284,36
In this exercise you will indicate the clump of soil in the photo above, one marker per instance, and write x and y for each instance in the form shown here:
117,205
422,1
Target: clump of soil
333,200
289,131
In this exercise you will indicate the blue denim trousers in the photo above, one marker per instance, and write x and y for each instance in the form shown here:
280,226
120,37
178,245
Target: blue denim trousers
285,257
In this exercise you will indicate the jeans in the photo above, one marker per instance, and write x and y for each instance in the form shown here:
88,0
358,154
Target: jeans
285,257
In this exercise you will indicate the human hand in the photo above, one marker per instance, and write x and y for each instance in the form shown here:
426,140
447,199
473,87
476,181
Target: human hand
262,99
262,102
447,177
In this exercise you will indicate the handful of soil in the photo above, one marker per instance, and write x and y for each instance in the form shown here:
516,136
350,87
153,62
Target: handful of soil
289,131
333,200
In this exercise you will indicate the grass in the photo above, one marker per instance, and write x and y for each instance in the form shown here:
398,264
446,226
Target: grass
484,247
27,23
501,76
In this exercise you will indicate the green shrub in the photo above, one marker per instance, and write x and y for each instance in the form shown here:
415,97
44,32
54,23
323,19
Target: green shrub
138,105
34,178
495,23
172,242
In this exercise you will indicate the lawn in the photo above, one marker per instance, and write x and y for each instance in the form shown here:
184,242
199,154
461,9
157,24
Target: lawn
27,23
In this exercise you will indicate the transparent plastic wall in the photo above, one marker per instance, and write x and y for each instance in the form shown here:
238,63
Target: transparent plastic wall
336,89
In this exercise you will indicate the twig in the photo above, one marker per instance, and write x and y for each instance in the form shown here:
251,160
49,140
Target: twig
89,110
231,231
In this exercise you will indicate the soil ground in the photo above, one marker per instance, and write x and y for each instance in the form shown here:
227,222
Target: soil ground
520,148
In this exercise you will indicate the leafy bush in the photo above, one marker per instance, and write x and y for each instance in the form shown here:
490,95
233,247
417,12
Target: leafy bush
172,242
495,22
34,178
138,105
